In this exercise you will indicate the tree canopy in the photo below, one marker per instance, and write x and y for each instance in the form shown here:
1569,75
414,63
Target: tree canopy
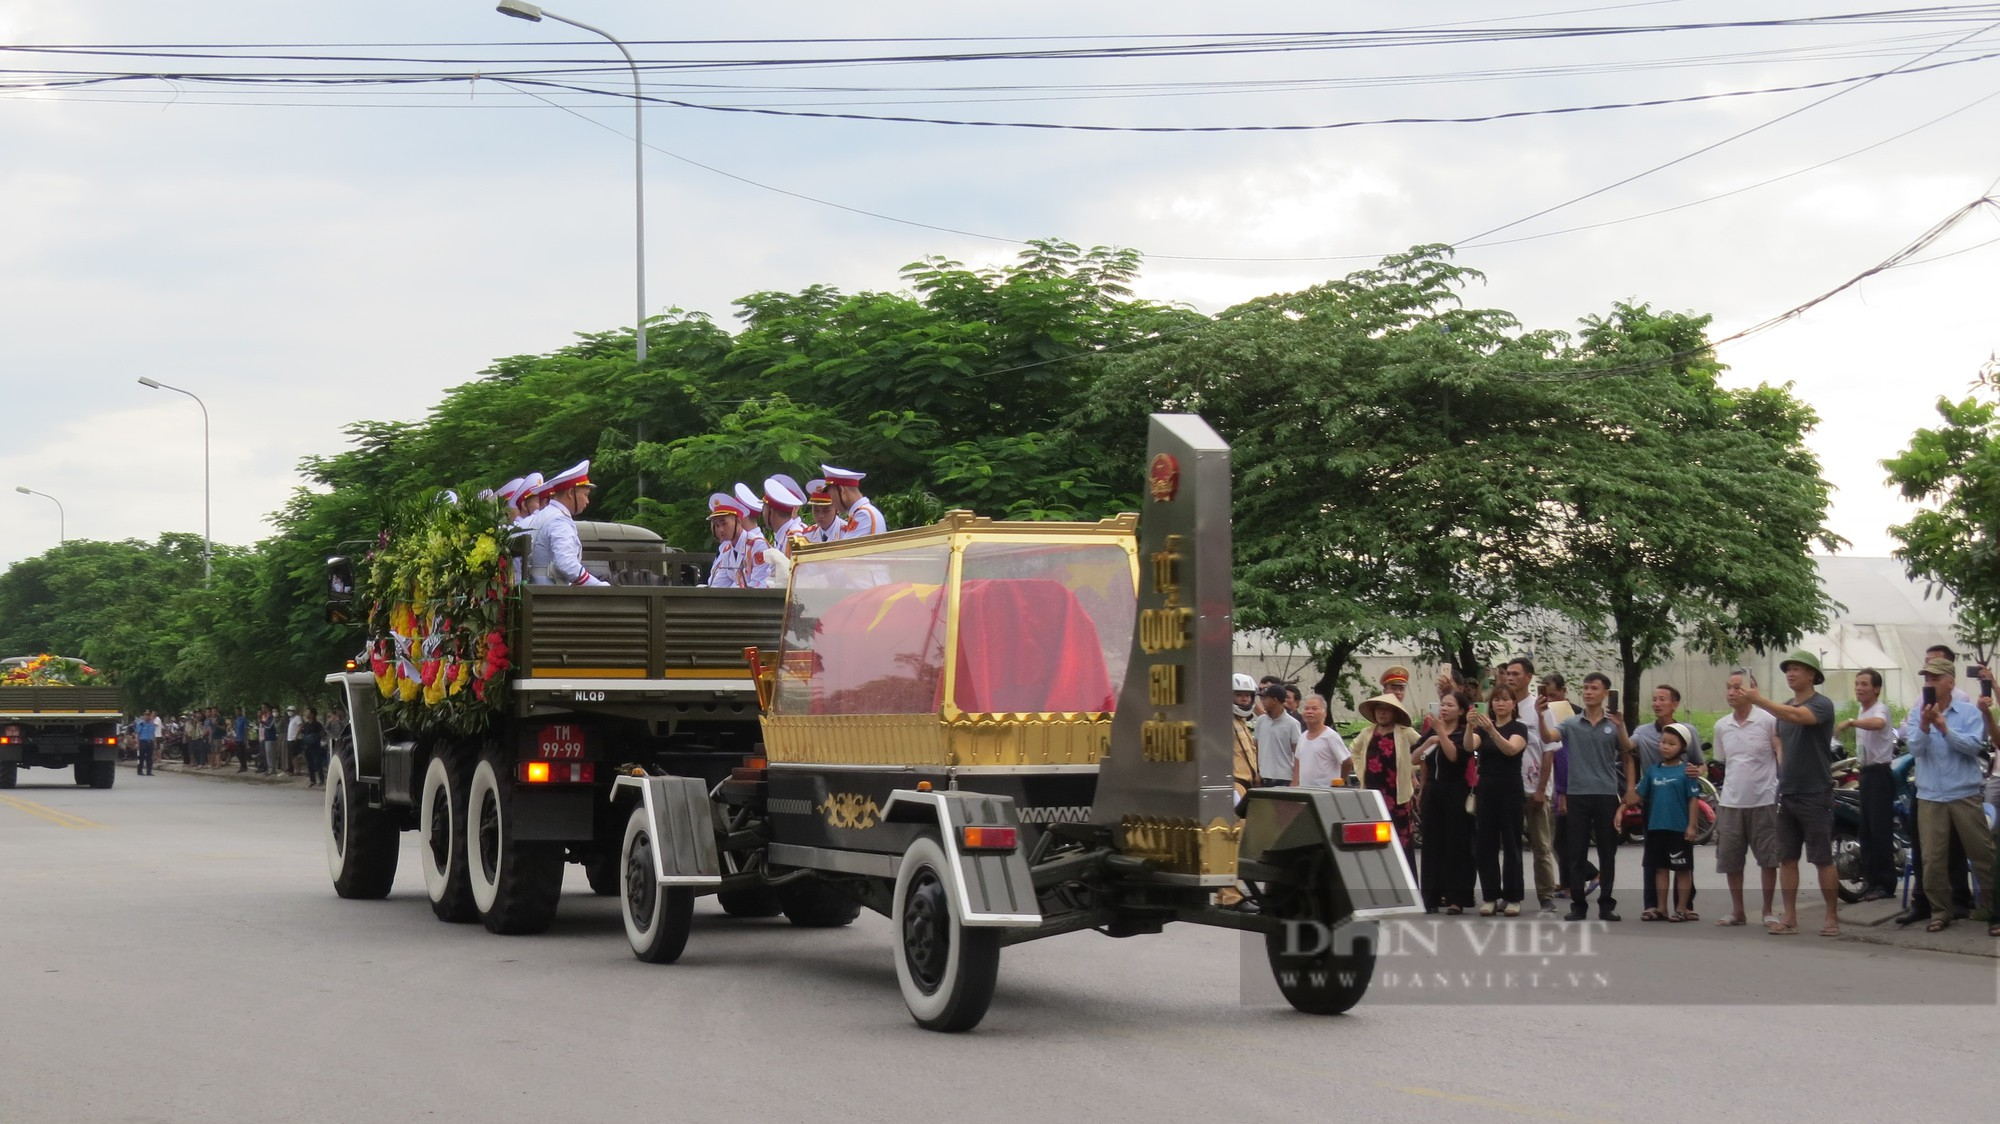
1954,542
1409,468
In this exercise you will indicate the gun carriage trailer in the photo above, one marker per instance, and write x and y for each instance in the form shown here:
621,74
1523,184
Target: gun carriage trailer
946,741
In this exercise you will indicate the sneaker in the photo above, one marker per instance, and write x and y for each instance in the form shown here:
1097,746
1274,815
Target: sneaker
1548,908
1607,915
1486,909
1513,909
1576,915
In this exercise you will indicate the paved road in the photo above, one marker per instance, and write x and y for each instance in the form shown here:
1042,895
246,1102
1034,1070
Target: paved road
170,950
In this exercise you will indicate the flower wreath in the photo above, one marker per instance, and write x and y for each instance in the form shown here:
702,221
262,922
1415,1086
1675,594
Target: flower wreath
440,591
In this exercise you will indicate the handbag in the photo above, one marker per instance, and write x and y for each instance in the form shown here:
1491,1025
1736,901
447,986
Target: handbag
1471,783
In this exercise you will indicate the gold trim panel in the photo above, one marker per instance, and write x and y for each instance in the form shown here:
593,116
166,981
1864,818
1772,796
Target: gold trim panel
925,739
1182,846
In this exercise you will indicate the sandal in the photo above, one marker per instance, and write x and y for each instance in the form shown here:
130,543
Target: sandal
1937,925
1690,915
1726,922
1783,930
1652,915
1677,918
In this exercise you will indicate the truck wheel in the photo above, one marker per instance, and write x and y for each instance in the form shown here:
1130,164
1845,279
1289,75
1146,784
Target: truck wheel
1321,967
103,774
605,874
441,836
8,771
83,773
750,901
516,885
812,904
361,842
945,970
657,918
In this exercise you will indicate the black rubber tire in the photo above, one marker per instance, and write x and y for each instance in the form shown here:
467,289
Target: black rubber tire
362,843
1330,972
103,774
750,901
657,918
812,904
84,772
605,873
945,971
516,885
9,772
1847,860
441,834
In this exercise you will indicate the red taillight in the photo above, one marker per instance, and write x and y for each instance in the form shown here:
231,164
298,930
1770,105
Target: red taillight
5,740
988,838
1368,834
555,772
105,741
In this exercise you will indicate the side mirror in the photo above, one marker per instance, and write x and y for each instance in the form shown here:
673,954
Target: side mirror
339,590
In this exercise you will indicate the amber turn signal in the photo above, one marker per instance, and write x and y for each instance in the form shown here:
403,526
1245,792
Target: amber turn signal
1366,834
989,838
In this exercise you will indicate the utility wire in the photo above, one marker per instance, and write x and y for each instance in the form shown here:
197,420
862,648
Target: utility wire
1907,68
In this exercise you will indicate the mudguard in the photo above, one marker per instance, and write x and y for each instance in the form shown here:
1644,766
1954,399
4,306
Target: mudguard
994,887
1374,878
684,852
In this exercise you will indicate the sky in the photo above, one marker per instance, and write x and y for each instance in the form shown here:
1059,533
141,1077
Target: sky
302,257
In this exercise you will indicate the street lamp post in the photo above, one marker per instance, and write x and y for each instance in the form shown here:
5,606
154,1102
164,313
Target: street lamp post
207,543
521,9
62,517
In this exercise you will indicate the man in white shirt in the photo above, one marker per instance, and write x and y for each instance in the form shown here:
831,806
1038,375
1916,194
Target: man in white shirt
1537,818
1746,742
1875,744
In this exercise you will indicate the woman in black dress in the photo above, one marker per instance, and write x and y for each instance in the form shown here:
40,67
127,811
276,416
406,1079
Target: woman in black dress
312,736
1501,799
1447,858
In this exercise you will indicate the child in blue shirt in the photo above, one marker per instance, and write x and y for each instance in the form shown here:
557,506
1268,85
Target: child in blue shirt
1669,794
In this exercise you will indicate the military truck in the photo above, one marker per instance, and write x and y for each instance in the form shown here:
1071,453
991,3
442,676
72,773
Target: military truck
645,673
996,732
50,720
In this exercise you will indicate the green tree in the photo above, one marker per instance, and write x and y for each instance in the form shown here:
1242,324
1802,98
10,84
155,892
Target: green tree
1954,542
1688,511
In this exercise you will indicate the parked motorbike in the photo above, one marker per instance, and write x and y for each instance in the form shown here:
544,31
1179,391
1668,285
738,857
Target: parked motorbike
1632,822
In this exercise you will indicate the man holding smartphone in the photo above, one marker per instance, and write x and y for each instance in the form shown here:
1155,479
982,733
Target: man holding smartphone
1950,734
1954,861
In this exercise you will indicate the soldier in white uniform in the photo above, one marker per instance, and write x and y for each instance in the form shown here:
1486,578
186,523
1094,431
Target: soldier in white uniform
858,517
782,501
740,561
825,519
556,555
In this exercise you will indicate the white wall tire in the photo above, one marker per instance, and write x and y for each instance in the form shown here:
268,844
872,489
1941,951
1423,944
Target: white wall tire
657,918
441,839
515,885
361,842
946,971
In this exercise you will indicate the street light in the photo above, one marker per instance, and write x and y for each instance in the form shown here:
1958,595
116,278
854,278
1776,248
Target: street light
522,10
62,518
207,544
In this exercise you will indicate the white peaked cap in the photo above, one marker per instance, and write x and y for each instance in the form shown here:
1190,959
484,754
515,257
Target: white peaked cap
578,473
722,503
749,499
842,475
784,491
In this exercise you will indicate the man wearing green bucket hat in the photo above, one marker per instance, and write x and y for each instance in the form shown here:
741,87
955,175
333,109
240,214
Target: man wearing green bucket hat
1805,789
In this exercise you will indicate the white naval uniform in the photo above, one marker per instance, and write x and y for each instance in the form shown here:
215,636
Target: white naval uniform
740,563
864,520
783,536
556,555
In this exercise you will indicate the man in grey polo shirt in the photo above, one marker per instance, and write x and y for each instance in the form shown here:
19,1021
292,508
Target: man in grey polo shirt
1277,738
1805,789
1600,769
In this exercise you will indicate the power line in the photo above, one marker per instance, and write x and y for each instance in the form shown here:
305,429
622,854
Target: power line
1907,68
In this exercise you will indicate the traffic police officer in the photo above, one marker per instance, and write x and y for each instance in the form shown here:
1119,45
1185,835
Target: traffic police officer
859,517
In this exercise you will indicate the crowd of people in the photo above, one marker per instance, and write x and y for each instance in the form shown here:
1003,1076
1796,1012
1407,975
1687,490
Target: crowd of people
273,743
1493,783
754,531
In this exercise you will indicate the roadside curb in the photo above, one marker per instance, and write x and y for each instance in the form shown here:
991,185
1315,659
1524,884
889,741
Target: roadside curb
1872,923
225,773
